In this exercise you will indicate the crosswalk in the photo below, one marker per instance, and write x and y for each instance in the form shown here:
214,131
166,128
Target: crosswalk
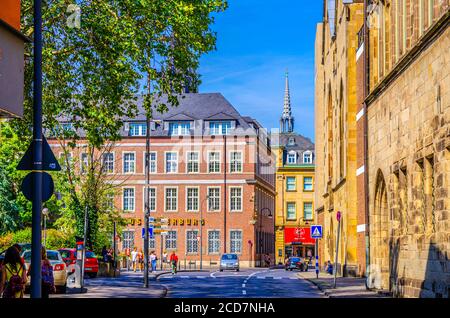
208,277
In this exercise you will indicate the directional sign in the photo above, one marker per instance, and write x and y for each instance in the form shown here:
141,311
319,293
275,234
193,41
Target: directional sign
150,232
316,231
49,162
151,219
165,220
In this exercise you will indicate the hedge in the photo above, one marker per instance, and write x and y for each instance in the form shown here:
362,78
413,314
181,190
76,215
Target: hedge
55,239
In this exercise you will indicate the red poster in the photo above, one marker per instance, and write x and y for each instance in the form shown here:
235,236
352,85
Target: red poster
298,235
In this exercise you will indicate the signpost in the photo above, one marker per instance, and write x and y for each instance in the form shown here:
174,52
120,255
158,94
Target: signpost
316,233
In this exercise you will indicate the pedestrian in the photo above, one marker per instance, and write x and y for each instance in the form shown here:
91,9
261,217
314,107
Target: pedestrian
174,262
104,254
13,275
164,257
47,278
267,260
153,260
141,260
329,268
134,258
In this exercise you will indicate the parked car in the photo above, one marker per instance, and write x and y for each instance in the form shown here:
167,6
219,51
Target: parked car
69,256
59,268
295,263
229,262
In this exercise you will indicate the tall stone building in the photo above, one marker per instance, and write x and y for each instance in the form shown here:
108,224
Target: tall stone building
294,212
405,158
335,109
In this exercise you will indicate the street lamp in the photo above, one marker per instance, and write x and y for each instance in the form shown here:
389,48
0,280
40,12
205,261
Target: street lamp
201,232
45,213
269,215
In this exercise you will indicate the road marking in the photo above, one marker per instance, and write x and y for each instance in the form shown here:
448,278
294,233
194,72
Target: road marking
278,277
260,277
243,285
201,276
212,274
244,292
292,277
184,276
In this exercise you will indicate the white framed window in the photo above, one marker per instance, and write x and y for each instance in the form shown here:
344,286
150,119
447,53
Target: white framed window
128,199
307,157
291,211
108,162
84,162
171,199
235,161
128,239
235,199
153,162
192,199
179,128
171,162
214,162
129,162
213,241
171,240
214,199
236,241
110,201
292,157
307,210
151,244
307,183
291,184
191,241
219,127
138,129
193,164
151,199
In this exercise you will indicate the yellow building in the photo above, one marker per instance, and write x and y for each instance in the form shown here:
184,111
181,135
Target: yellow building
294,188
335,110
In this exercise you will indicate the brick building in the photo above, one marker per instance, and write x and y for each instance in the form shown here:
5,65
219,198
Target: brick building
201,148
404,110
335,110
294,213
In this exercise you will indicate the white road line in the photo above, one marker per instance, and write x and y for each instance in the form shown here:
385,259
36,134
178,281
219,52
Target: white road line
292,277
184,276
212,274
201,276
243,285
278,277
244,292
260,277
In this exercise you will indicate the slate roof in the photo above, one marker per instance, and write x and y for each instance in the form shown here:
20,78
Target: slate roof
301,143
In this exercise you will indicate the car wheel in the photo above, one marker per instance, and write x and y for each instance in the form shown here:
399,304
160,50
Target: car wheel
92,275
237,270
221,270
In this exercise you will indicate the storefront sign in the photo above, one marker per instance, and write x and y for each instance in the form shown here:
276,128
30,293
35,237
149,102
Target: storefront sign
169,222
298,235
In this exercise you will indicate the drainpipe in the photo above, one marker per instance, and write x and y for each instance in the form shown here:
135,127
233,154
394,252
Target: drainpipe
366,143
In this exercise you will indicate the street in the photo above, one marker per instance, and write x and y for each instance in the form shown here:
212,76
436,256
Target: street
248,283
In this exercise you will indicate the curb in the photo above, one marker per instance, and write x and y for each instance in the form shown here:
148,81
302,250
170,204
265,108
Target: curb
319,286
181,271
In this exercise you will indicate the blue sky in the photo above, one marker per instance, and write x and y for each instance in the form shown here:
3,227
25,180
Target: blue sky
256,41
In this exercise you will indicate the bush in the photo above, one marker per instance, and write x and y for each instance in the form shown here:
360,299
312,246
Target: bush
55,239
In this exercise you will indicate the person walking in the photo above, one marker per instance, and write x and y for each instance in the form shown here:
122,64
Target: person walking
13,275
141,260
47,278
174,262
164,258
153,260
104,254
134,255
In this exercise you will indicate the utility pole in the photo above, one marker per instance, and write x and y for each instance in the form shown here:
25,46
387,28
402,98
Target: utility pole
147,199
337,246
36,238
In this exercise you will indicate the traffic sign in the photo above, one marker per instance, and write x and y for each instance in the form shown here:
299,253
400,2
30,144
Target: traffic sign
316,231
47,186
150,232
49,162
151,219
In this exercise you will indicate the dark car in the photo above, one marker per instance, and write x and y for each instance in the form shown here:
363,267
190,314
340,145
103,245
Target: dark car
69,256
295,263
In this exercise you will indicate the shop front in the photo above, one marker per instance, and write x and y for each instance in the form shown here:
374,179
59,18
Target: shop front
298,242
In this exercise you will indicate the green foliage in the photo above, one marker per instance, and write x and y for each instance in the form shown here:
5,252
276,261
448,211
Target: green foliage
55,239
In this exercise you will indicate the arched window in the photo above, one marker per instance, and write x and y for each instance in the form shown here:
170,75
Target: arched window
292,157
307,157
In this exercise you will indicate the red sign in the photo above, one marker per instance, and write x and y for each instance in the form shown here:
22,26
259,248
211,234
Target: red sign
296,235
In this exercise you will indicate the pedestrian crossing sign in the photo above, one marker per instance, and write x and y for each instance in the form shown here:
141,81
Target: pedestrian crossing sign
316,231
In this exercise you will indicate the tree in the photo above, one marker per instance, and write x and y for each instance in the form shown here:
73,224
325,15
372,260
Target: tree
93,74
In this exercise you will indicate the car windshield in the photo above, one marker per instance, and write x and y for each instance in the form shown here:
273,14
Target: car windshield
229,257
65,253
90,254
51,255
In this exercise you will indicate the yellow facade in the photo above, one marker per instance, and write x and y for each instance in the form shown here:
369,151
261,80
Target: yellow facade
299,196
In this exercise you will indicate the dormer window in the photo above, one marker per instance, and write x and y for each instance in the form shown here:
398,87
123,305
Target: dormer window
179,128
307,157
292,158
220,127
137,129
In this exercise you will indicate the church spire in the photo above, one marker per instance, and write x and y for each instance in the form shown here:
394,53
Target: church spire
287,121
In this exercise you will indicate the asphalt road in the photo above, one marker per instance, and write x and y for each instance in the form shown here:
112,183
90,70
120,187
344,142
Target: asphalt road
251,283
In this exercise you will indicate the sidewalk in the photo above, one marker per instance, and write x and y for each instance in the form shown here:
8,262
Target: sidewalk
346,287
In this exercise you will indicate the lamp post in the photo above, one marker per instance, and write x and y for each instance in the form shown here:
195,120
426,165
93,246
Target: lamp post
201,232
269,215
45,213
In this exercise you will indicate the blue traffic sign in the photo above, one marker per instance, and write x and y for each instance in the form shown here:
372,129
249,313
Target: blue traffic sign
316,231
150,232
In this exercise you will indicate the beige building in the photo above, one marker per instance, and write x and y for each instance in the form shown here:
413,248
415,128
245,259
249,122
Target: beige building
335,109
408,159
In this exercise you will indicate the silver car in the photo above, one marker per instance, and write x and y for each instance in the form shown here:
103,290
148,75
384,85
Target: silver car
229,262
